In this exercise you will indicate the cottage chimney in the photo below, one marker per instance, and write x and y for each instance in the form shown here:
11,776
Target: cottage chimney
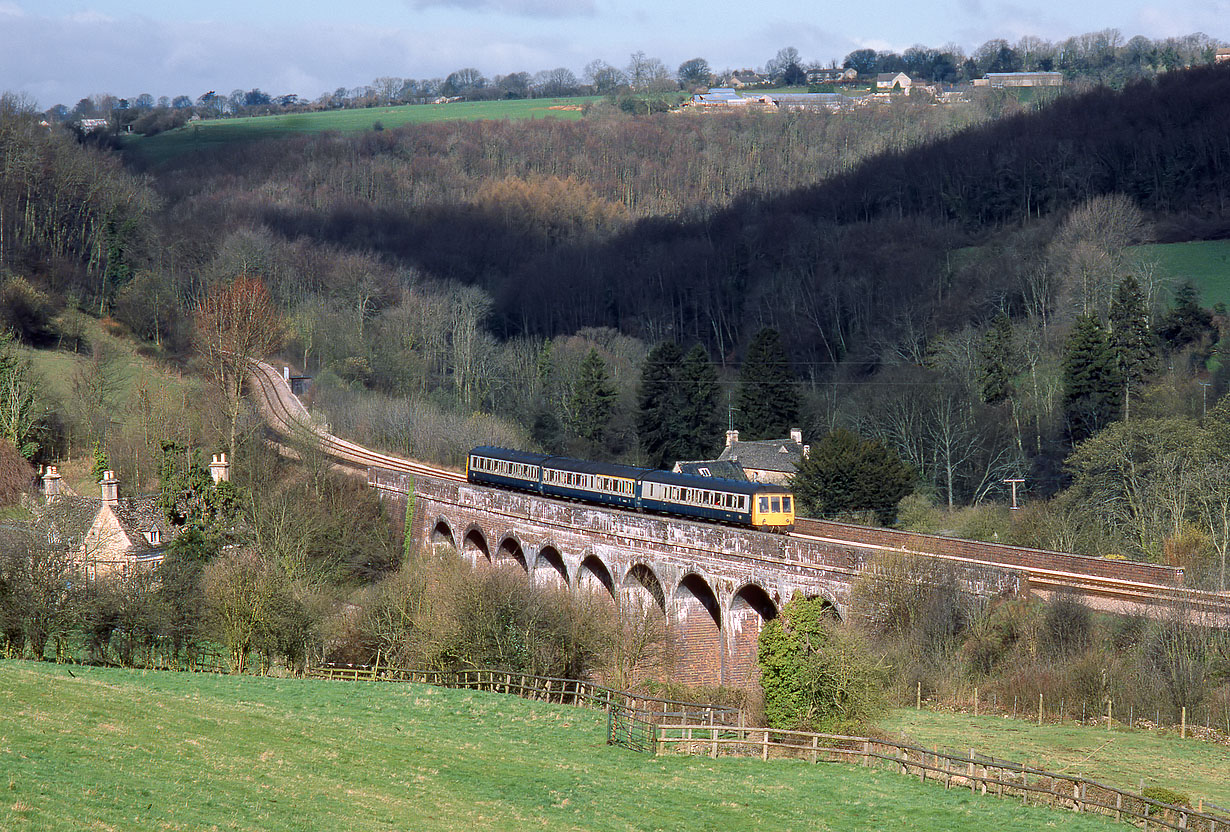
796,436
110,488
286,373
220,469
51,482
732,436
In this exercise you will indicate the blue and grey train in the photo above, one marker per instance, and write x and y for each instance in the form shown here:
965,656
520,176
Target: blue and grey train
760,505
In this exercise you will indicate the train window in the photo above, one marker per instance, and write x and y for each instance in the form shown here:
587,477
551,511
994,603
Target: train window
777,505
786,505
764,505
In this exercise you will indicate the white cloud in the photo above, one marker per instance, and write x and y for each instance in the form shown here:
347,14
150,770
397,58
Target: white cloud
11,10
518,8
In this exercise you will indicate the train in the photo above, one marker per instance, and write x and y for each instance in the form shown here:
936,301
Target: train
762,506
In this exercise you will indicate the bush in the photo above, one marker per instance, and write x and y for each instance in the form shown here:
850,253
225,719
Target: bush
1164,795
1067,626
816,674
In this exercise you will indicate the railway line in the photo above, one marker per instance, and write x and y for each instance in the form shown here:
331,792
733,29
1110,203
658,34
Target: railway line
288,417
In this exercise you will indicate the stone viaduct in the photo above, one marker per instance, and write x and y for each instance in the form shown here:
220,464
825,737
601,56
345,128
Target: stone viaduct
715,585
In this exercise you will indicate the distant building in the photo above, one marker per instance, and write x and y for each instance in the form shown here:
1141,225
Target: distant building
766,460
718,97
812,101
893,80
1020,79
1222,56
831,76
746,78
90,124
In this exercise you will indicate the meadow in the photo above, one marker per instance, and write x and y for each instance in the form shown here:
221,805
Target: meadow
1122,757
1206,263
218,132
95,748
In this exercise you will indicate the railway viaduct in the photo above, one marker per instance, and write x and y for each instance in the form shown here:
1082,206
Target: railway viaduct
715,585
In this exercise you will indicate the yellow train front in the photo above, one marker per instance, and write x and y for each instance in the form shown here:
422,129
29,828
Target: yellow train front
773,509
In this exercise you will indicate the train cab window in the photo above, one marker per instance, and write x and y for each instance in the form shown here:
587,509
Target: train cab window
786,505
777,505
764,505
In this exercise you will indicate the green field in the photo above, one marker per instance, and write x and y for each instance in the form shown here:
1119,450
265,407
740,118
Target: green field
215,132
132,750
1205,263
1120,758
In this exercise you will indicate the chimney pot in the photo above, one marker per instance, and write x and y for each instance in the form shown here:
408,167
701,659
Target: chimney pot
732,436
796,436
51,482
286,372
219,468
110,488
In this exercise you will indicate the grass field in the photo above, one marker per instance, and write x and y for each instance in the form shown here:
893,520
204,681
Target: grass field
215,132
131,750
1120,758
1205,263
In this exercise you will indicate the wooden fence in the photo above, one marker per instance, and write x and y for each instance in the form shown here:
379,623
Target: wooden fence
979,773
630,707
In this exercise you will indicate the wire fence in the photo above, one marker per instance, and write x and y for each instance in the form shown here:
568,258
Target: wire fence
980,773
1208,719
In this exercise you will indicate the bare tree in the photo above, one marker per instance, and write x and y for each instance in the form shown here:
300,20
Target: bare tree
236,323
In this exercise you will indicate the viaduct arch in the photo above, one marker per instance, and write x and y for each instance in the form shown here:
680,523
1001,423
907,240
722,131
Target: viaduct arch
716,586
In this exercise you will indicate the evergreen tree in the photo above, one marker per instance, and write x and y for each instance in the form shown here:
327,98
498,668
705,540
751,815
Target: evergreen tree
702,418
593,399
997,357
846,475
1091,380
662,406
1187,322
1131,338
189,497
768,399
101,463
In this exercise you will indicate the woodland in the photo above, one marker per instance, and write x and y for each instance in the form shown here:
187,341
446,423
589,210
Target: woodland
947,296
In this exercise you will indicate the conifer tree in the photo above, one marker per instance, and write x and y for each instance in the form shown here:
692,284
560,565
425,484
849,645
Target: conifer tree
1091,380
997,359
593,399
662,405
702,418
768,399
845,475
1131,338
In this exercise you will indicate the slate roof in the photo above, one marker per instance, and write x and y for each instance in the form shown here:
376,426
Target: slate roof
765,455
830,100
137,515
67,519
724,469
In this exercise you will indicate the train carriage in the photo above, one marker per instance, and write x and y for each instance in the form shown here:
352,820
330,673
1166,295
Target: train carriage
487,465
597,482
760,505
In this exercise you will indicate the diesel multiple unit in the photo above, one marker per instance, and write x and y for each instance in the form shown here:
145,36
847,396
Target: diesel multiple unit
761,505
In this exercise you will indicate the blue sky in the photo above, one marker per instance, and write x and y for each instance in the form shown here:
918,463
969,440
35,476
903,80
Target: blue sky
58,51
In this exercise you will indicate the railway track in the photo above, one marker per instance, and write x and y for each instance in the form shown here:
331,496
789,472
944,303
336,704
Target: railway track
288,417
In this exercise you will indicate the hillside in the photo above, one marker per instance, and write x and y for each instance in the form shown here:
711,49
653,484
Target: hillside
133,750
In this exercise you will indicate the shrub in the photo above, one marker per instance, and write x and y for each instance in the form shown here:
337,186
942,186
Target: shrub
817,674
1067,626
1165,795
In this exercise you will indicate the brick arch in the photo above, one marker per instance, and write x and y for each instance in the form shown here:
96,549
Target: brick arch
831,606
594,576
751,607
474,546
442,533
510,552
696,624
643,589
549,567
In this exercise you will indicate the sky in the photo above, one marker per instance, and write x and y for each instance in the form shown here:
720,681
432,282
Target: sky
59,51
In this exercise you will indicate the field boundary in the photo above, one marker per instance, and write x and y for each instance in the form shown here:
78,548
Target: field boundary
981,774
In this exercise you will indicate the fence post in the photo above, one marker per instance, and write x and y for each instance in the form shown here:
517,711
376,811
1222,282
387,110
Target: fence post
713,738
1039,709
971,771
1183,724
764,752
1110,708
815,743
1118,806
918,698
975,701
866,753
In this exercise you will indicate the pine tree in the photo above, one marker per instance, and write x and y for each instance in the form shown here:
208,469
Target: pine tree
1131,338
1091,380
662,405
593,399
997,357
768,399
702,418
101,463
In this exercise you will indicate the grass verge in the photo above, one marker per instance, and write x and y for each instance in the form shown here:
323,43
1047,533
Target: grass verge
111,749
